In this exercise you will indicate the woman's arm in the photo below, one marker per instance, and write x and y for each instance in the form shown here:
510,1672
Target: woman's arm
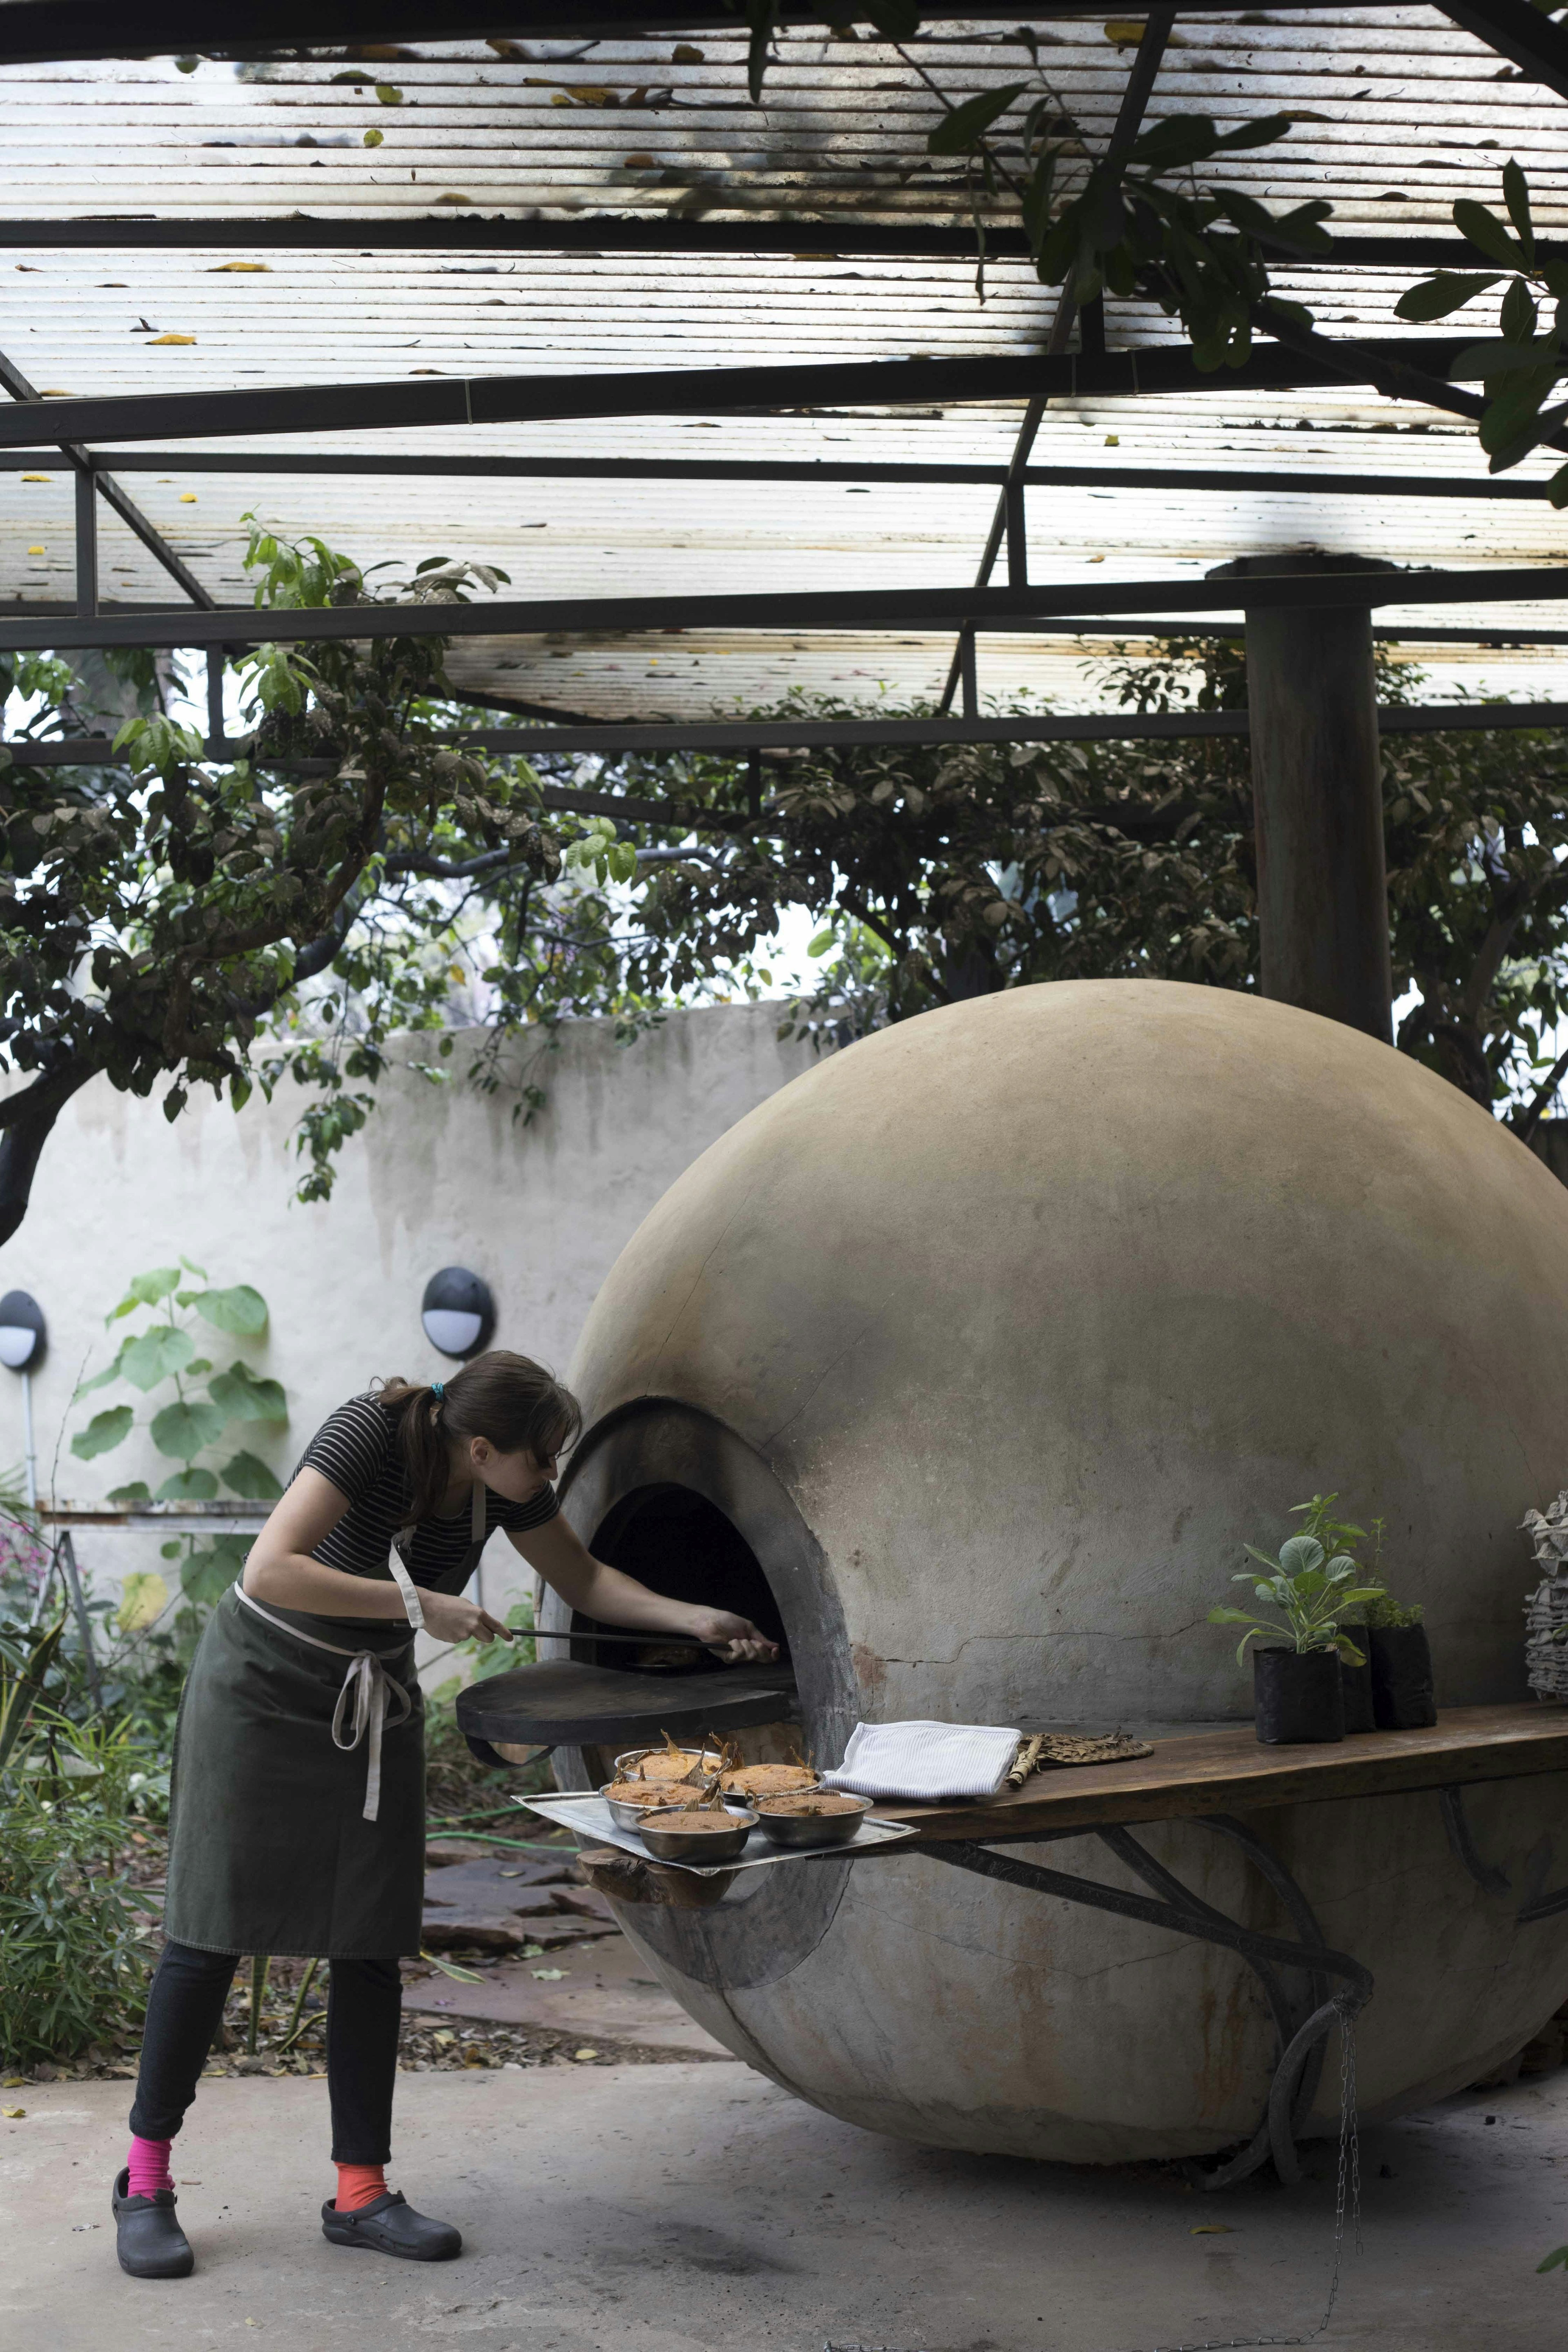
282,1570
596,1589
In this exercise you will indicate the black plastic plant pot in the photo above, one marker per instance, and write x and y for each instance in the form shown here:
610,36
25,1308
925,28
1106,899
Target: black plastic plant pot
1297,1697
1355,1682
1401,1694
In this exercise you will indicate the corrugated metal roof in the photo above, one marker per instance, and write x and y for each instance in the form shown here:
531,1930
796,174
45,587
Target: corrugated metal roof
1408,111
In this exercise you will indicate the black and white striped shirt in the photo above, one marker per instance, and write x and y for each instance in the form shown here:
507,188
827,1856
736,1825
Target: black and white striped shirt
357,1449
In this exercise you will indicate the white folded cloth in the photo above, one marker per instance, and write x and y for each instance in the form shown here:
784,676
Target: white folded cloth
925,1759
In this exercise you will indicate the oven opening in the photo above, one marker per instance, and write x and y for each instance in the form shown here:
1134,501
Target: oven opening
677,1542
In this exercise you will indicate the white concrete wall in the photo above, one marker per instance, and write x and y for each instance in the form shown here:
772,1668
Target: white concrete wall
440,1176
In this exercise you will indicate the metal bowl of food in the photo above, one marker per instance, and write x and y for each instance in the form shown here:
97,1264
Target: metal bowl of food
811,1817
748,1782
629,1801
684,1833
668,1765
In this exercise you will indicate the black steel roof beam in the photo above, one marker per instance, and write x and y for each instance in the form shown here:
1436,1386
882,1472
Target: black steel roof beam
1536,45
1123,629
79,459
601,233
794,734
1007,609
1302,483
35,31
685,391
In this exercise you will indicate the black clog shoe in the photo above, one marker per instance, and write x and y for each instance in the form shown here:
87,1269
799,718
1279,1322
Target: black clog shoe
391,2226
148,2238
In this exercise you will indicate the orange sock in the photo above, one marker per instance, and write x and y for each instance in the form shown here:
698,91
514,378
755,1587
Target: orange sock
359,2184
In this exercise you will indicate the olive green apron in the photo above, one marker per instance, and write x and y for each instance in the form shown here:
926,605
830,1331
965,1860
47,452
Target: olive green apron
296,1805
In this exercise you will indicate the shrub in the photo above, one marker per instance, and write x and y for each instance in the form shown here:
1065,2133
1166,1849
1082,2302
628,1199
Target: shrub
75,1946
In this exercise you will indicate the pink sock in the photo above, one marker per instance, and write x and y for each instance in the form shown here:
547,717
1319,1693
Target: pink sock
148,2165
359,2184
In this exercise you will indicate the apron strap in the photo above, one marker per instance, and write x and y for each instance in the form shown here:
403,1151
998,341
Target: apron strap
413,1607
362,1699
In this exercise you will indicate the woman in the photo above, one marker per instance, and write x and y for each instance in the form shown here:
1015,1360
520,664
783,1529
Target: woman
298,1820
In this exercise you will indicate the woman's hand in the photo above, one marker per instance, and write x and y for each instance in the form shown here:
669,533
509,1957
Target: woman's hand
449,1618
736,1639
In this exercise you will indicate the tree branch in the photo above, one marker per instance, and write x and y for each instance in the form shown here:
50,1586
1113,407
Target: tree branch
29,1119
1352,361
1542,1097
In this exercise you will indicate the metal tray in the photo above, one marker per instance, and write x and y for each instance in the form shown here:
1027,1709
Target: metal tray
587,1816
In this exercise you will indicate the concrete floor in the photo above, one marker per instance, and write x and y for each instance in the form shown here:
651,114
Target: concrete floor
696,2208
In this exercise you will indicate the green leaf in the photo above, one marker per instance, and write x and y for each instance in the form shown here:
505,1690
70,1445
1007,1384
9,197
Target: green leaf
1518,317
1495,357
1484,229
1449,290
1555,2261
243,1397
183,1429
241,1310
146,1290
100,1380
207,1574
1537,426
967,124
249,1477
1178,140
137,1492
1261,133
143,1598
188,1487
156,1356
1516,196
103,1432
1300,1555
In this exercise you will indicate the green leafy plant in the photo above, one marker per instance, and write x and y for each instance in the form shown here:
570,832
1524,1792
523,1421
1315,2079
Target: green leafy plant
1318,1521
26,1661
1384,1611
197,1420
1312,1592
1519,367
76,1944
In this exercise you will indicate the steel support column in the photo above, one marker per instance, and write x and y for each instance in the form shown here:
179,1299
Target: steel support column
86,544
1317,781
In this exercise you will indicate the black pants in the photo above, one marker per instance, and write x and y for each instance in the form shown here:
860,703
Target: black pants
184,2011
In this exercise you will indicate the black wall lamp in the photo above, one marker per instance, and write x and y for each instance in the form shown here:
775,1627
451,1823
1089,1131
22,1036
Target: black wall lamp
457,1312
23,1339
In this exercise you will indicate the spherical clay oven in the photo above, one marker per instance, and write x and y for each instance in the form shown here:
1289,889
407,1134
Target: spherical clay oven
992,1339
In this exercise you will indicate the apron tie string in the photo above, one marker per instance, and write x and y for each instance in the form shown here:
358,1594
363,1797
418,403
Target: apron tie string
363,1699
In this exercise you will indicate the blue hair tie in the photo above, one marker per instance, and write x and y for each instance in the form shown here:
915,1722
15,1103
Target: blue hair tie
437,1390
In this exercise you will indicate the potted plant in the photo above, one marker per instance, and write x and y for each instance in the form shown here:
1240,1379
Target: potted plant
1403,1697
1296,1694
1339,1537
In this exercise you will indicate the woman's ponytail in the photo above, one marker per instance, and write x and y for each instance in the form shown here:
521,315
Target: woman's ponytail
509,1399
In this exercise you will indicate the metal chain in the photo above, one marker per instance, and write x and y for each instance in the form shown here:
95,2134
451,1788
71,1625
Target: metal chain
1347,2196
